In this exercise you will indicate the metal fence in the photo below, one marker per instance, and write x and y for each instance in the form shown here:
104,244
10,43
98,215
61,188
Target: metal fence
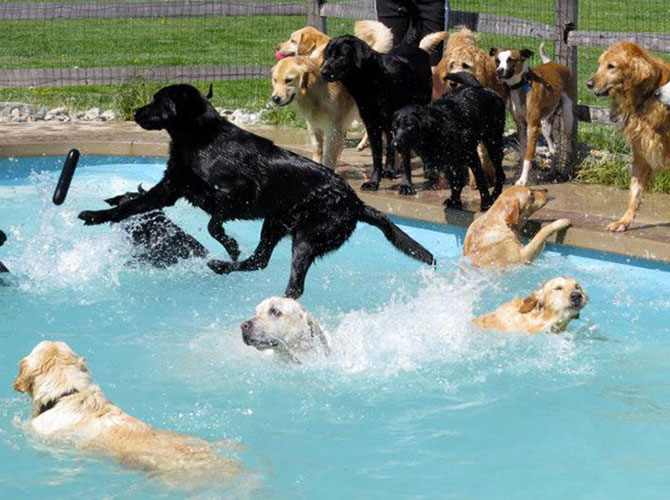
109,42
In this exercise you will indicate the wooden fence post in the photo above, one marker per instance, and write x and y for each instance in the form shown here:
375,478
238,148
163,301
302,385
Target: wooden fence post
567,14
314,17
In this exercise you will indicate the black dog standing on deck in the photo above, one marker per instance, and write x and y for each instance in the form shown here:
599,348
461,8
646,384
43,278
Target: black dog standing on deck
233,174
159,241
381,84
446,132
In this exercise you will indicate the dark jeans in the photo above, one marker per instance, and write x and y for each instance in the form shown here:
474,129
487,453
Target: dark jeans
392,14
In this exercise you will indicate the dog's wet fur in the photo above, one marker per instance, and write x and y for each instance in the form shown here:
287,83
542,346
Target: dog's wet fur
446,132
157,240
381,84
233,174
3,238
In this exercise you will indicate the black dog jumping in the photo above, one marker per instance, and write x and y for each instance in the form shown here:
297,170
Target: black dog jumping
446,132
233,174
159,241
3,238
381,84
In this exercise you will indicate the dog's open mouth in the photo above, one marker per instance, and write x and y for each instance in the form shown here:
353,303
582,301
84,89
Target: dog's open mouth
602,93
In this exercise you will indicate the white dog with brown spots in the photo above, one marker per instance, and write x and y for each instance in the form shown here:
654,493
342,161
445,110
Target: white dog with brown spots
68,408
284,326
550,309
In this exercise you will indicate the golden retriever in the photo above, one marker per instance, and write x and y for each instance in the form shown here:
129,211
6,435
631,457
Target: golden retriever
493,240
462,53
327,108
630,76
285,326
552,307
69,408
310,42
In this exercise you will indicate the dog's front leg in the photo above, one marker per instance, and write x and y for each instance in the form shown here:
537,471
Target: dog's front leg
215,228
406,187
163,194
376,145
641,174
535,246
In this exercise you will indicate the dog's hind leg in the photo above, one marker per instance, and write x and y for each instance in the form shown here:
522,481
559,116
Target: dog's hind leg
472,160
406,187
390,169
271,234
215,228
494,146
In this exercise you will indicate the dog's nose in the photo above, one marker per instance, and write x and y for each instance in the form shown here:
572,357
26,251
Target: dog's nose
589,84
246,326
276,99
576,298
500,72
657,93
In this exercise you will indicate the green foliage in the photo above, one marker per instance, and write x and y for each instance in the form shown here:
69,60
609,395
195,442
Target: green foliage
131,95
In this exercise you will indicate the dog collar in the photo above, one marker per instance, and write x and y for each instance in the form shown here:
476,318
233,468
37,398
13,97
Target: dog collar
50,404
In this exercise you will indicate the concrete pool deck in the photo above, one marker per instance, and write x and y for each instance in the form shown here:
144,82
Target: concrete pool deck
589,207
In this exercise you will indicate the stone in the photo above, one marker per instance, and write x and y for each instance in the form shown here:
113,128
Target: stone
108,115
92,114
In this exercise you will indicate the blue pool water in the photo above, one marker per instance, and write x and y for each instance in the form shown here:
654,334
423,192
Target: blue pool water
414,402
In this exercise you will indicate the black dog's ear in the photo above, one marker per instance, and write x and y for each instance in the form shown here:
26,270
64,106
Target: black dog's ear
493,51
210,92
360,53
526,53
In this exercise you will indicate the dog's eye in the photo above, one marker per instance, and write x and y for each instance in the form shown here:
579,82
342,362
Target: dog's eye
288,80
558,288
275,312
611,66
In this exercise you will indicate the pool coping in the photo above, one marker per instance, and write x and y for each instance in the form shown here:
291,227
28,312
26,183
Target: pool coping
650,240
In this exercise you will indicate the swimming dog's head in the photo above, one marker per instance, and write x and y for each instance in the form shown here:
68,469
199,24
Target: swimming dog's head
343,56
174,107
560,298
50,371
291,77
283,325
510,62
517,203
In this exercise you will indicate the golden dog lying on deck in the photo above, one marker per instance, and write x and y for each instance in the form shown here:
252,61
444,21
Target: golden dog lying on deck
630,76
493,239
552,307
70,408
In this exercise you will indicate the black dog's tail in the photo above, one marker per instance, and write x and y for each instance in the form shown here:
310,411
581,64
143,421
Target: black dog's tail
464,78
413,34
398,239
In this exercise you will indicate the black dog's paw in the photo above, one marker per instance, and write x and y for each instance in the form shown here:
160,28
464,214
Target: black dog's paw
453,204
91,217
406,190
233,251
370,186
220,267
388,174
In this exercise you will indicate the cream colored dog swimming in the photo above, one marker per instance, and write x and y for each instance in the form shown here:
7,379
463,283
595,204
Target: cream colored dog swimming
284,326
70,409
551,308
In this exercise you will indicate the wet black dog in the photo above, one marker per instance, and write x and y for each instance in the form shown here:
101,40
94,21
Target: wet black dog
3,238
381,84
446,132
157,240
233,174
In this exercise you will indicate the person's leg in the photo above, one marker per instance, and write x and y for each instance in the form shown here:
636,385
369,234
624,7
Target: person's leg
391,14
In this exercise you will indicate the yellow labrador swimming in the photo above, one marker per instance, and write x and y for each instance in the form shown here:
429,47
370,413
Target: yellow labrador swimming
69,408
283,325
552,307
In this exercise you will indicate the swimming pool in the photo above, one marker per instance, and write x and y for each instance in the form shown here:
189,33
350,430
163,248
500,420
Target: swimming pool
413,403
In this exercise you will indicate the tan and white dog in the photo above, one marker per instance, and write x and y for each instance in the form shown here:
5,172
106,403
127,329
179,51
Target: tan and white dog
310,42
285,326
493,240
327,108
663,95
550,308
69,409
534,96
